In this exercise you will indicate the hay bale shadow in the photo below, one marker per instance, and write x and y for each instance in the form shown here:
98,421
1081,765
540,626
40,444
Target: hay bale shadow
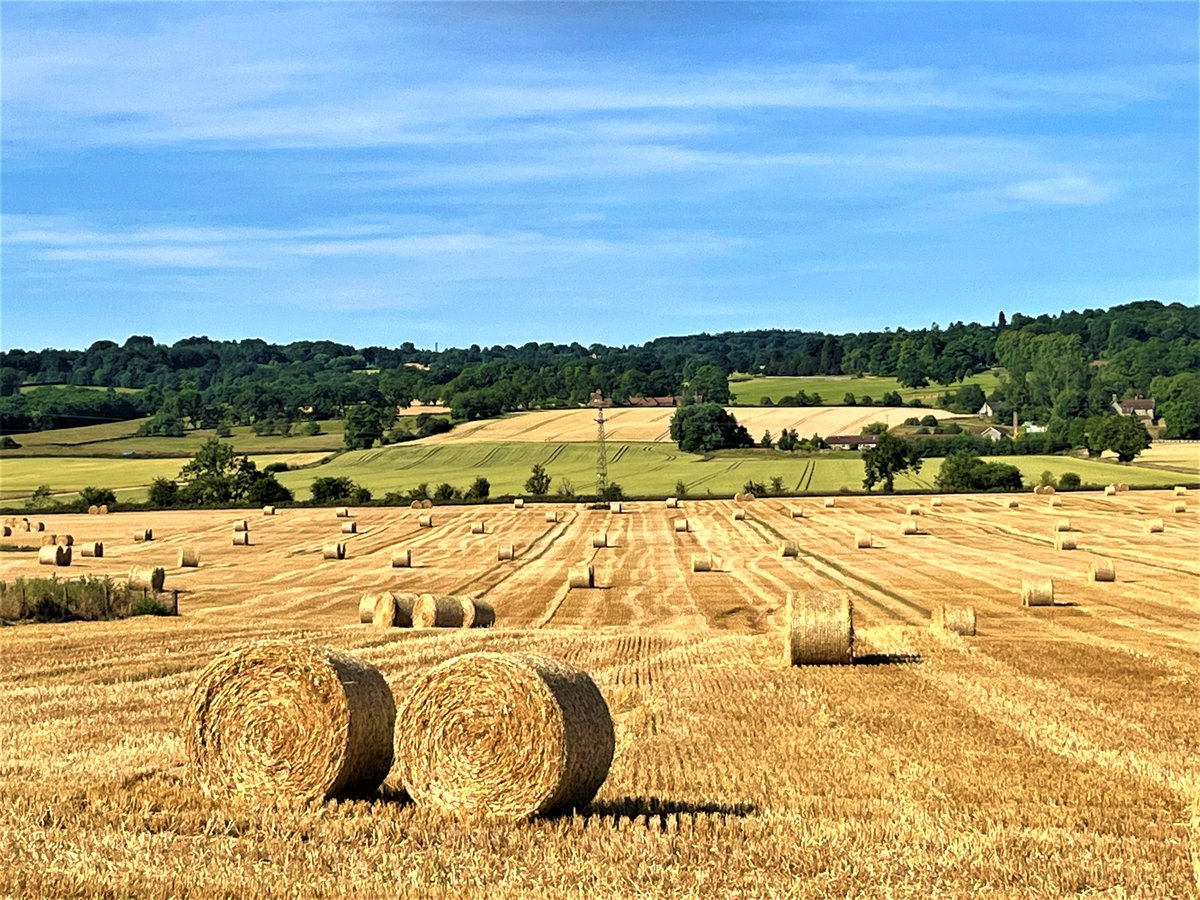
648,808
888,659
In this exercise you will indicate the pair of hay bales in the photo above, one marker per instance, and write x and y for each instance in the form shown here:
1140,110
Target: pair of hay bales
493,735
54,555
101,510
149,578
334,551
1043,489
744,497
63,540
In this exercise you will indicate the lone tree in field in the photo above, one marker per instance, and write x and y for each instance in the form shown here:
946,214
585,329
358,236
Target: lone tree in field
538,482
887,459
702,427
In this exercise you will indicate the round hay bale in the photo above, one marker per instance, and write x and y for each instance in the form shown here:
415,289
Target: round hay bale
93,510
64,540
739,515
702,562
41,526
1178,507
909,526
1037,592
1154,526
504,736
1180,490
1109,490
416,504
1102,570
103,510
1064,542
92,549
789,549
387,610
829,502
241,539
1037,488
796,512
268,510
426,503
437,611
506,552
820,629
48,540
189,557
954,619
615,507
342,512
277,718
1014,503
600,539
1055,502
478,528
1062,525
744,497
477,613
582,577
863,540
912,510
146,534
1048,489
1122,487
519,503
402,559
682,525
334,551
349,528
366,608
672,503
425,521
54,555
148,578
936,502
7,530
552,516
241,525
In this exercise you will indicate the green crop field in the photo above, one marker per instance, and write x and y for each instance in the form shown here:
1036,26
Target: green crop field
26,388
118,438
749,390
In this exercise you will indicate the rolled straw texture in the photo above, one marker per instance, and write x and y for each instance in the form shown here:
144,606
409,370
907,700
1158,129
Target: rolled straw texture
912,510
1064,542
477,613
144,535
278,719
416,504
1122,486
504,736
478,528
1037,488
7,530
54,555
582,577
189,557
366,608
1109,490
92,548
863,541
615,507
702,562
1154,526
506,552
797,512
820,629
402,559
425,521
1178,507
738,515
390,610
103,510
1048,489
93,510
1055,502
64,540
426,503
600,539
955,619
334,551
342,512
1103,570
437,611
909,526
241,539
552,516
936,501
518,503
1013,504
349,528
147,577
1180,490
789,549
672,503
41,526
241,525
268,510
1037,592
743,497
681,525
48,539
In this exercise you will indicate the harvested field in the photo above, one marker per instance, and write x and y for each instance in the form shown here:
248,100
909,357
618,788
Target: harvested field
1054,753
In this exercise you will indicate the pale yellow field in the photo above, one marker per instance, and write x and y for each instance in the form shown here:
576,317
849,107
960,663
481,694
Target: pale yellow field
1183,457
1054,754
654,424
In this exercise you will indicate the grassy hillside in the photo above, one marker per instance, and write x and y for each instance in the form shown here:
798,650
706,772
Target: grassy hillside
118,438
749,390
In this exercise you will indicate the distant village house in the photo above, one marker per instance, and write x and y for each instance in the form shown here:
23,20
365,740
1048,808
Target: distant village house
1141,407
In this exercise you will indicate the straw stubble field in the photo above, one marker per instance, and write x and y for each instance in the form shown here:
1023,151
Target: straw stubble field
1055,753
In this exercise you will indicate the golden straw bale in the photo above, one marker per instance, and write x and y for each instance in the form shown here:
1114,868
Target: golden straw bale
416,504
41,526
744,497
276,719
506,552
615,507
910,526
1048,489
552,516
93,510
1122,487
92,548
912,510
1064,542
268,510
702,562
366,608
389,610
738,515
1154,526
478,528
437,611
402,559
1103,570
64,540
1109,490
1037,592
672,503
426,503
682,526
1062,525
103,510
7,530
477,613
425,521
788,549
1180,490
1055,502
582,577
145,534
241,525
863,540
504,736
796,512
54,555
241,539
936,501
819,628
189,557
830,502
1179,507
519,503
600,539
1037,488
48,539
149,578
342,512
954,619
334,551
349,528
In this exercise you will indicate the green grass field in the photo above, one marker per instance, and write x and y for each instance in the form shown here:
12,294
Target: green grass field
26,388
117,438
749,390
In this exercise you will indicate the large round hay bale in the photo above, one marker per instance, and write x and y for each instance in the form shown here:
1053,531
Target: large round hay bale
1064,542
1037,592
583,577
1180,490
334,551
1062,525
1179,507
504,736
789,549
909,526
278,719
739,515
103,510
600,539
366,608
1109,490
615,507
552,516
148,578
93,510
477,613
92,548
912,509
349,528
54,555
1103,570
425,521
702,562
682,525
426,503
829,502
391,610
189,557
241,525
342,512
416,504
672,503
241,539
402,559
1154,526
796,512
478,528
506,552
954,619
820,629
519,503
863,540
64,540
437,611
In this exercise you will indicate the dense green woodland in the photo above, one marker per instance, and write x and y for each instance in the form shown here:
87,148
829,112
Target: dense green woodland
1059,369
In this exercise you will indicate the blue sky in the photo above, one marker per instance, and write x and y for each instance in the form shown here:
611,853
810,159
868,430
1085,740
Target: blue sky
498,173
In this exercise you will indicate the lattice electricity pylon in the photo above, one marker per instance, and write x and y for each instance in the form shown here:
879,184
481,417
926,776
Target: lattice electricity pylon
601,457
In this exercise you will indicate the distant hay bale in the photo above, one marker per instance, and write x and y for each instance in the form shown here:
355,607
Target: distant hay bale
48,539
241,539
681,526
518,503
936,501
1179,507
189,557
504,736
148,578
796,512
41,526
349,528
477,613
863,540
93,510
1102,570
582,577
1014,503
1048,489
552,516
342,512
54,555
425,521
241,525
1037,488
1109,490
390,610
615,507
702,562
1062,525
366,608
437,611
820,629
954,619
334,551
912,510
7,530
672,503
1064,542
910,526
789,549
279,719
64,540
92,549
402,559
600,539
478,528
1180,490
506,552
103,510
268,510
1055,502
416,504
1122,487
830,502
145,534
1154,526
739,515
426,503
1037,592
744,497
